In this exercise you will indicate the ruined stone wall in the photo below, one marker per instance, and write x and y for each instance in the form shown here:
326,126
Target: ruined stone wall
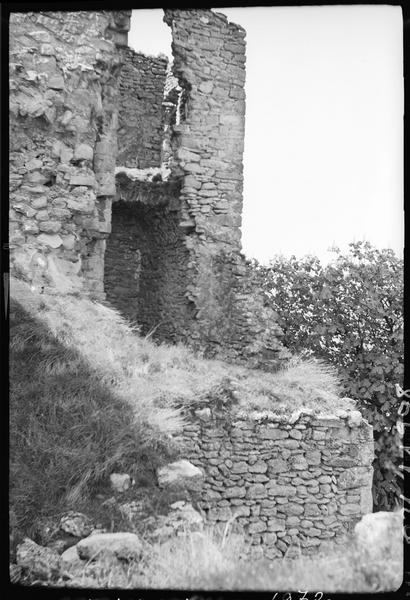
293,482
209,63
141,119
64,69
68,86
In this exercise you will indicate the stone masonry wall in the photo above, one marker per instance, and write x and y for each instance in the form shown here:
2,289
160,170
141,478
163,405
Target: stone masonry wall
67,90
64,69
146,258
141,120
207,140
293,482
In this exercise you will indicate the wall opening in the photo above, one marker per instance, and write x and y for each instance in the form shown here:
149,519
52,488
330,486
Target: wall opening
146,256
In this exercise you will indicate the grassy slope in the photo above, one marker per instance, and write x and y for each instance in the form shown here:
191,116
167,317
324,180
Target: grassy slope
90,396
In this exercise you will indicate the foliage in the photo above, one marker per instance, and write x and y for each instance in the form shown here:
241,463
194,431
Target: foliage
350,314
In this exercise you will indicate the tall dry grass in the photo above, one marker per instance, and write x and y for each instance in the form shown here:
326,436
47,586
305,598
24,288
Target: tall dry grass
216,560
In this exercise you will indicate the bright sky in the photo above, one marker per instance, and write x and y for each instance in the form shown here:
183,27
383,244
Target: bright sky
323,161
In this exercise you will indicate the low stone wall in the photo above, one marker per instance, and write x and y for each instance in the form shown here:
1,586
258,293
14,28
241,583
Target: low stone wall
292,482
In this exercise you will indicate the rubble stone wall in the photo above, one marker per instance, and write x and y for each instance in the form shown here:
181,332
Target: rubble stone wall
64,70
141,119
146,259
292,482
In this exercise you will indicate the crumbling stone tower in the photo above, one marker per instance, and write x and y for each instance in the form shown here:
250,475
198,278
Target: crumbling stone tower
171,260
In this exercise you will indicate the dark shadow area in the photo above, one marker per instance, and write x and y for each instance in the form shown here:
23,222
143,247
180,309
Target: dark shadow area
68,432
146,258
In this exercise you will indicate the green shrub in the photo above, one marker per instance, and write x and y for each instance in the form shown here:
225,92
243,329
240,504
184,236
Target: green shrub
349,313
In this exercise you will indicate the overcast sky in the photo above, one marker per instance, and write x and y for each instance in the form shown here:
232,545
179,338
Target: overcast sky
323,160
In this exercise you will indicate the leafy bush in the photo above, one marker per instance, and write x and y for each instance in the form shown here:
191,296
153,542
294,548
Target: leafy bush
349,313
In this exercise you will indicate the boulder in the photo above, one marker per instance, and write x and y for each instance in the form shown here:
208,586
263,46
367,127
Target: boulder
380,534
76,523
120,482
70,559
180,475
40,561
122,544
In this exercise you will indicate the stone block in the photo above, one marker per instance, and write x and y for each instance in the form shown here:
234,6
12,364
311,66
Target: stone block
311,510
257,527
123,545
76,524
275,524
120,482
258,490
234,492
40,561
277,465
349,509
180,475
83,152
258,467
292,508
267,433
241,511
54,241
49,226
299,463
86,180
313,457
355,477
56,82
275,489
240,467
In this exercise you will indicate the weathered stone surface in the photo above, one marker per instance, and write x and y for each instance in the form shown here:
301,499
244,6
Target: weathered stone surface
181,474
280,490
70,559
273,434
277,465
379,533
126,546
120,482
355,477
289,501
257,490
292,509
83,152
54,126
76,523
40,561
